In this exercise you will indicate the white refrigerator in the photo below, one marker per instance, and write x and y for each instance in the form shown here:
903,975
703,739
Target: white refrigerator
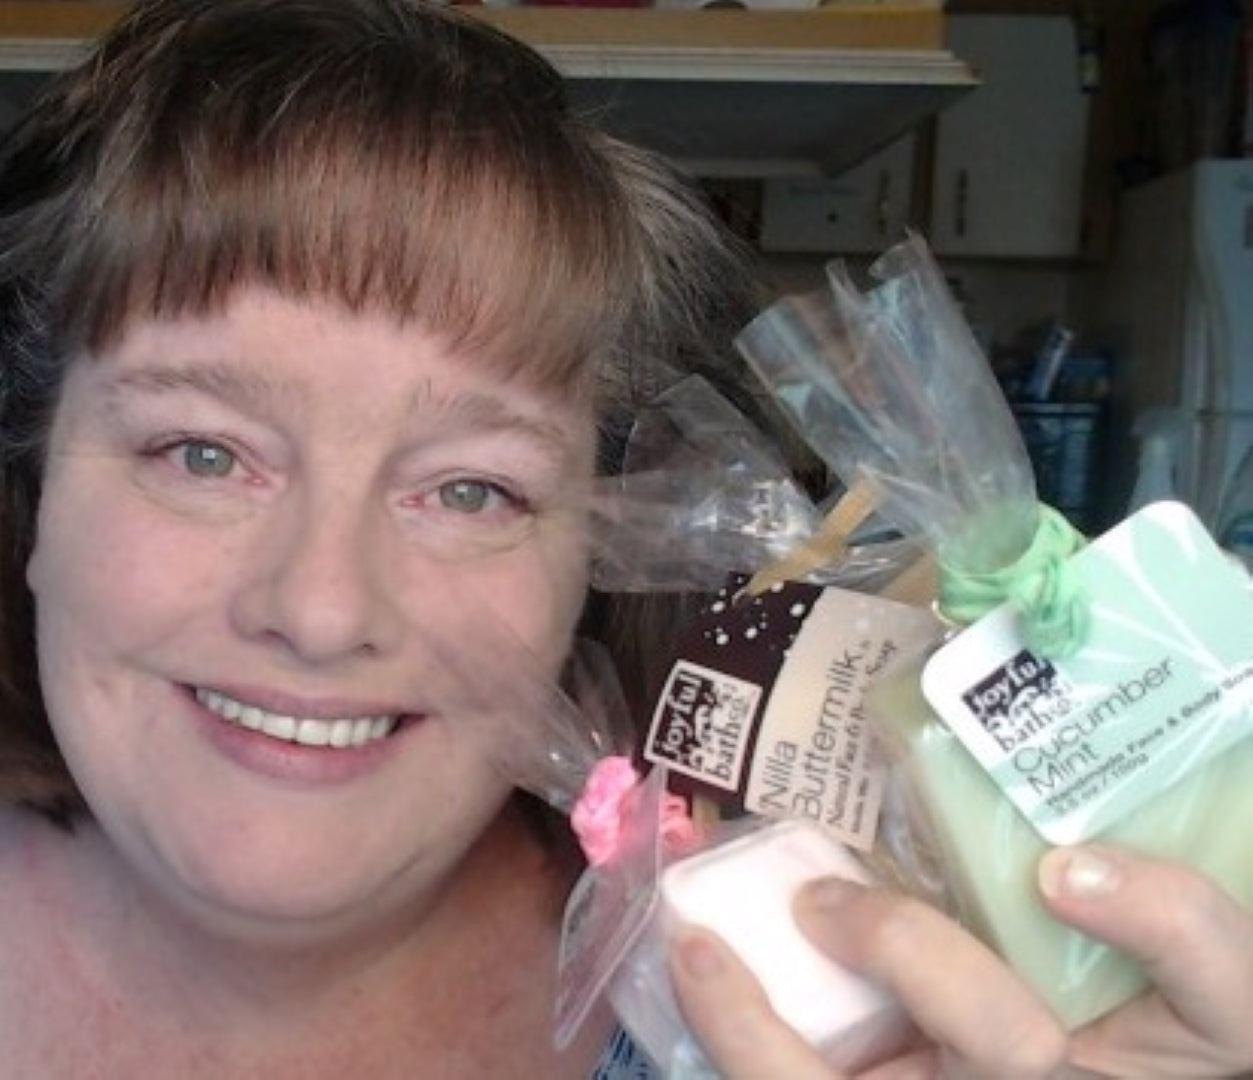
1176,301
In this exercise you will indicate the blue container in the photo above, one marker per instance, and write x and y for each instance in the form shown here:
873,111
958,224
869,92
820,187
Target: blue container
1064,443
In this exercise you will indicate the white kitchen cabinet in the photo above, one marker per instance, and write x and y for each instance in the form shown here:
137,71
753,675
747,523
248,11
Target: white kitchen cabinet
861,211
1008,177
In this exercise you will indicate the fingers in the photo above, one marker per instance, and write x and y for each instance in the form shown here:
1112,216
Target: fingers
1195,942
987,1023
955,989
1196,945
923,1064
729,1013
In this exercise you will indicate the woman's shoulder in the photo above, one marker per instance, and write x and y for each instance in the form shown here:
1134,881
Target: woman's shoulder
41,875
28,838
31,856
30,928
22,834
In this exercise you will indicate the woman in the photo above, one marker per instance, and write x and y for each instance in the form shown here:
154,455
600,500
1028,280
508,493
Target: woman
317,316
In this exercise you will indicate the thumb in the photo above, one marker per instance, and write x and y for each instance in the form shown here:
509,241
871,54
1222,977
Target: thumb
1194,941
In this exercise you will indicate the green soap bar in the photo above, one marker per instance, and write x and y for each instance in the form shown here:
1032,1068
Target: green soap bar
989,852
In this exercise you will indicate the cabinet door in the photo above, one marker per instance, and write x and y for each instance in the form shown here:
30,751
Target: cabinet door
1009,157
860,211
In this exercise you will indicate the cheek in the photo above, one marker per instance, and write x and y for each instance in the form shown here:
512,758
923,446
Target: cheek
559,590
102,563
527,602
90,604
68,547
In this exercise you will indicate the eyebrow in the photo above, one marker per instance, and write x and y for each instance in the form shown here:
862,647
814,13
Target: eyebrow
222,381
249,390
487,412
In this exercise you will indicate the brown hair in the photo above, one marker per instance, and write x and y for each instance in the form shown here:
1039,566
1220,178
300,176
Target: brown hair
390,155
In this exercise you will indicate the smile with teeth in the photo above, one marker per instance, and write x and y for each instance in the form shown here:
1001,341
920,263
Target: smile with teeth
348,731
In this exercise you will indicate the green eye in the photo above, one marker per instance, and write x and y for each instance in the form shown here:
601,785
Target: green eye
207,459
466,496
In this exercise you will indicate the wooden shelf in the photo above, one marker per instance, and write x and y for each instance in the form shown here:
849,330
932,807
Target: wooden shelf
728,92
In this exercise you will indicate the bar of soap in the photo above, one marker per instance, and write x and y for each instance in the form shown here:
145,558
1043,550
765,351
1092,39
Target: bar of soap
743,891
990,852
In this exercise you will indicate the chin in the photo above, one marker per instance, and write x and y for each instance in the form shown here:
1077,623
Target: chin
302,884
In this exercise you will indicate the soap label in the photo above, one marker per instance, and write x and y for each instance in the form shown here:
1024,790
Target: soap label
763,709
702,723
1162,683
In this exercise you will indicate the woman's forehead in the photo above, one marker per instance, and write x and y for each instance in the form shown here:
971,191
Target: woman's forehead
268,349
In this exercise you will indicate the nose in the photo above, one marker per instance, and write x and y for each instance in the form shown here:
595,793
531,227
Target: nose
315,581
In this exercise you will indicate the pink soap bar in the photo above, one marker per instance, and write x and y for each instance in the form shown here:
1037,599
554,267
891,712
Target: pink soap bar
743,891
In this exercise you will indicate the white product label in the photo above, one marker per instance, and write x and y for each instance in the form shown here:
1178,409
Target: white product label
1162,684
815,756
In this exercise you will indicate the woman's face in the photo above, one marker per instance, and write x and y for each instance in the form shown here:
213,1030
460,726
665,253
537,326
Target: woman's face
283,527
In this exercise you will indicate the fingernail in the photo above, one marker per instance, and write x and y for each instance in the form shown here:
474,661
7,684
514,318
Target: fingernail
1078,872
825,894
698,955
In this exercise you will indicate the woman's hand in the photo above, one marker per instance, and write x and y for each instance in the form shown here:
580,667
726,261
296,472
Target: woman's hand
1196,944
971,1013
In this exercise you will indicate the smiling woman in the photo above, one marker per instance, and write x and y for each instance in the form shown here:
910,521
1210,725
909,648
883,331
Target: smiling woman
316,318
380,157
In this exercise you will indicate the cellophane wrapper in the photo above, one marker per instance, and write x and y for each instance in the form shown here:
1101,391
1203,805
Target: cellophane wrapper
889,385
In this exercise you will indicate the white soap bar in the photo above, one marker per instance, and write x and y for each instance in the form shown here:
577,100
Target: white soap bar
743,891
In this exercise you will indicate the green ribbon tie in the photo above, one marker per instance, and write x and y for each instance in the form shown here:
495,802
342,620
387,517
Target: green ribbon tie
1041,584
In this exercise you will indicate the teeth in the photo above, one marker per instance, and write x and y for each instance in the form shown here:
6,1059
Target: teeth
313,732
280,727
308,731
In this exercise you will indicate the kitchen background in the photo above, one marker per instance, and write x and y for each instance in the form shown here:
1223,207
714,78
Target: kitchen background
1023,188
1045,148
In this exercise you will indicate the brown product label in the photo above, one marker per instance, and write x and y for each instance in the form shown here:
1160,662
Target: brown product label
763,709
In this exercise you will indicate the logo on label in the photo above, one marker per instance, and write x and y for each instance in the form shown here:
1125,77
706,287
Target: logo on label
1019,698
702,724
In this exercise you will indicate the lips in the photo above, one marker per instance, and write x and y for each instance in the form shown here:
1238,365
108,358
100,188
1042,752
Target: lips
334,732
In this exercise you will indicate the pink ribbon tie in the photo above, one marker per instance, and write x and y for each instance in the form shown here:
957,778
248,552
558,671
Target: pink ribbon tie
597,817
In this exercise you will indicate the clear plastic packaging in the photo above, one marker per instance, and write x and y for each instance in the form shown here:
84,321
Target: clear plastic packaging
702,494
890,389
882,387
762,716
988,851
1101,692
1157,431
559,738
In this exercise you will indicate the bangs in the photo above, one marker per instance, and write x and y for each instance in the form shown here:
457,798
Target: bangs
385,185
